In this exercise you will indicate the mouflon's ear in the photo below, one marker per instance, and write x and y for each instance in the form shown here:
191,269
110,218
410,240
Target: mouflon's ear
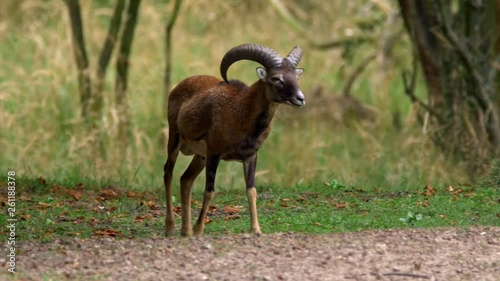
262,73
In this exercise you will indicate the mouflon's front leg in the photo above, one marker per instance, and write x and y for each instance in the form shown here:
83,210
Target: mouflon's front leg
249,167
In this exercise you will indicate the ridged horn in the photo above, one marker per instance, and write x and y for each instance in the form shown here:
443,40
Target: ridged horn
295,55
267,57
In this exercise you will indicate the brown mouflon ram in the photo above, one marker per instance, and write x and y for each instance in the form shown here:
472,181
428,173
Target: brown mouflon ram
226,120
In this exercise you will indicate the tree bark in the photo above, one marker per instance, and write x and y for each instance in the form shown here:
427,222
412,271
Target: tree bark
420,24
105,56
122,71
82,62
168,54
496,30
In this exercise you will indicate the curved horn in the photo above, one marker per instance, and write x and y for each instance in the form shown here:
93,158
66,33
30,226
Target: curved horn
267,57
295,55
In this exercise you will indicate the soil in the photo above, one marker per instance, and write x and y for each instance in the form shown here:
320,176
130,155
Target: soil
411,254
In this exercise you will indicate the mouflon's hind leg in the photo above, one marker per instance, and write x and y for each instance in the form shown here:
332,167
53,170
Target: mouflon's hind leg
187,179
173,151
212,163
249,166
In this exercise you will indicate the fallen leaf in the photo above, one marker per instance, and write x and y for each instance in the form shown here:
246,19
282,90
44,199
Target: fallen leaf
25,217
64,218
157,213
132,194
177,209
107,232
79,220
429,191
140,218
151,205
458,191
112,209
76,194
232,217
450,188
212,209
42,181
207,220
232,210
340,205
80,185
284,202
423,204
110,193
44,205
25,197
469,193
93,221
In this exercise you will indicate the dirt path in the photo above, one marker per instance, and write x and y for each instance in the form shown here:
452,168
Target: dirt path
418,254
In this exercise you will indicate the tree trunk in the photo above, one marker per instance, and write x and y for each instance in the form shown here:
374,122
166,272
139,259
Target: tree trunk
82,62
167,83
122,71
107,50
496,30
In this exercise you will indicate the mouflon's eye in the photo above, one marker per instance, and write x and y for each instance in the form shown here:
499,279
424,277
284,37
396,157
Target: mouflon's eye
275,79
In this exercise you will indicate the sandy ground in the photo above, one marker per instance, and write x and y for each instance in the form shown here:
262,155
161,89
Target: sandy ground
415,254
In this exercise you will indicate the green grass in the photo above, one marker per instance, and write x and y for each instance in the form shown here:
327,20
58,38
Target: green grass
47,209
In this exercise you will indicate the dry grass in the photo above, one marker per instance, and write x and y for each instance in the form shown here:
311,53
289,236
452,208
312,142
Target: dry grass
42,131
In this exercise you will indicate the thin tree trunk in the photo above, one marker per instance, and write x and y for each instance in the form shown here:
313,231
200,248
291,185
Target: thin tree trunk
168,54
82,63
419,25
496,28
122,70
105,56
167,83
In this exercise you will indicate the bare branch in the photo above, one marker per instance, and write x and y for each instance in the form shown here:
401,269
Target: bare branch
355,74
361,38
404,274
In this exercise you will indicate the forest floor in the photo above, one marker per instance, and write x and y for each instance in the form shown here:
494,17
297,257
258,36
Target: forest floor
412,254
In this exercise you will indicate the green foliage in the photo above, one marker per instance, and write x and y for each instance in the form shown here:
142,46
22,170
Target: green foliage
411,218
